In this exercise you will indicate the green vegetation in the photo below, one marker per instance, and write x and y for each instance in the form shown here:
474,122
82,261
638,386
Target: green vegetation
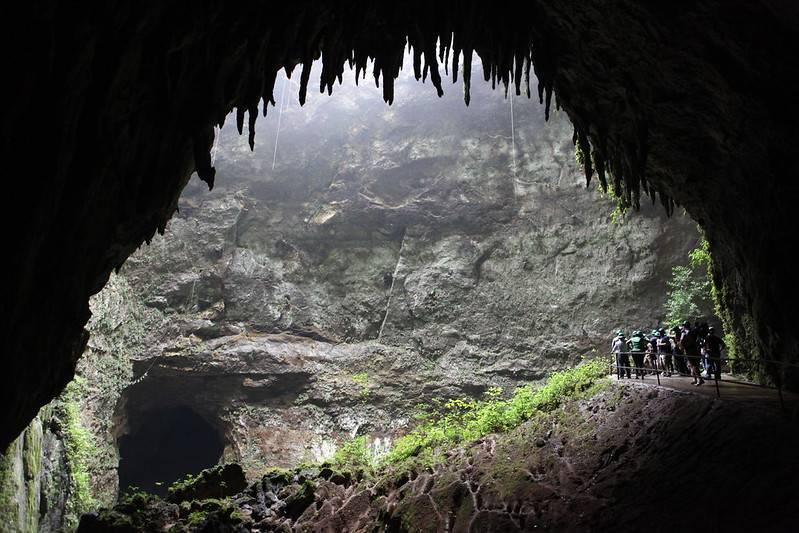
8,509
466,420
695,289
449,423
217,482
687,293
621,207
80,448
32,466
691,288
354,456
362,379
442,427
719,294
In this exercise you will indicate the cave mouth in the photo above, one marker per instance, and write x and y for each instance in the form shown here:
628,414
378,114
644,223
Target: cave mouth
163,446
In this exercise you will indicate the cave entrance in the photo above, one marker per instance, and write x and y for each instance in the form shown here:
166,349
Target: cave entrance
163,446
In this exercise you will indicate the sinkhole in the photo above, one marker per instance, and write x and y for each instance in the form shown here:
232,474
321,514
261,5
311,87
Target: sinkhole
164,445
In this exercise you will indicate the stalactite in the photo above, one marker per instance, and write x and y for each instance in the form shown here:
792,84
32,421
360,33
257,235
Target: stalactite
588,168
467,75
305,75
267,95
201,144
252,113
240,119
507,59
455,57
599,162
527,63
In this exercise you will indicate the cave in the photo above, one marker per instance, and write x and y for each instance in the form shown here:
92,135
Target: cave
678,101
686,104
164,445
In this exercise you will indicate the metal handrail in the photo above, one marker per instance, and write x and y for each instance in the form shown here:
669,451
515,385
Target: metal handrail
735,359
657,371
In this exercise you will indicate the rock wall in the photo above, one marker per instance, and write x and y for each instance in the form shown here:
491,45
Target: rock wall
65,462
392,255
37,492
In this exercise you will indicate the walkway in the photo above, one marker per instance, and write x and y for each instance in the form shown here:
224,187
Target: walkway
727,390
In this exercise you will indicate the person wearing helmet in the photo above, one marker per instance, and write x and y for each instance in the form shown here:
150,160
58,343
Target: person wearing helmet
665,352
619,334
651,357
690,345
637,345
714,345
619,347
679,359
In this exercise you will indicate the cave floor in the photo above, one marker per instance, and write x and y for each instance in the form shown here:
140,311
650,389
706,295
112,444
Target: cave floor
730,388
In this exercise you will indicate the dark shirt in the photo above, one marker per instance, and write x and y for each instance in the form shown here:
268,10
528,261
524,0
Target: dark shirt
689,344
714,345
664,345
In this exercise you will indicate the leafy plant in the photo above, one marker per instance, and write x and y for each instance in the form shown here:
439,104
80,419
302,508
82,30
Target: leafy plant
463,420
362,379
354,456
691,287
686,293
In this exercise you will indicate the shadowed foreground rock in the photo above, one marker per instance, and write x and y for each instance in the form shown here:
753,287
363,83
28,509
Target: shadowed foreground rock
628,459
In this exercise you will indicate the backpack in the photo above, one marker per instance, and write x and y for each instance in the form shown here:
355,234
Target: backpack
637,344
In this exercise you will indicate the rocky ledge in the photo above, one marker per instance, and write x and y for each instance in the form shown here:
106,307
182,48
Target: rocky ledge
629,456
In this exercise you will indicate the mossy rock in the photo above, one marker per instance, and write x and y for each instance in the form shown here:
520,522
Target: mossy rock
300,499
218,482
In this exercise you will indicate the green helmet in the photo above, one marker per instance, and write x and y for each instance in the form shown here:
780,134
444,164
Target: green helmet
655,333
636,333
620,333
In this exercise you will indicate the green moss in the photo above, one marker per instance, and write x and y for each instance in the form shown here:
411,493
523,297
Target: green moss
196,518
135,498
301,498
120,327
362,379
217,482
9,512
32,466
80,448
275,474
